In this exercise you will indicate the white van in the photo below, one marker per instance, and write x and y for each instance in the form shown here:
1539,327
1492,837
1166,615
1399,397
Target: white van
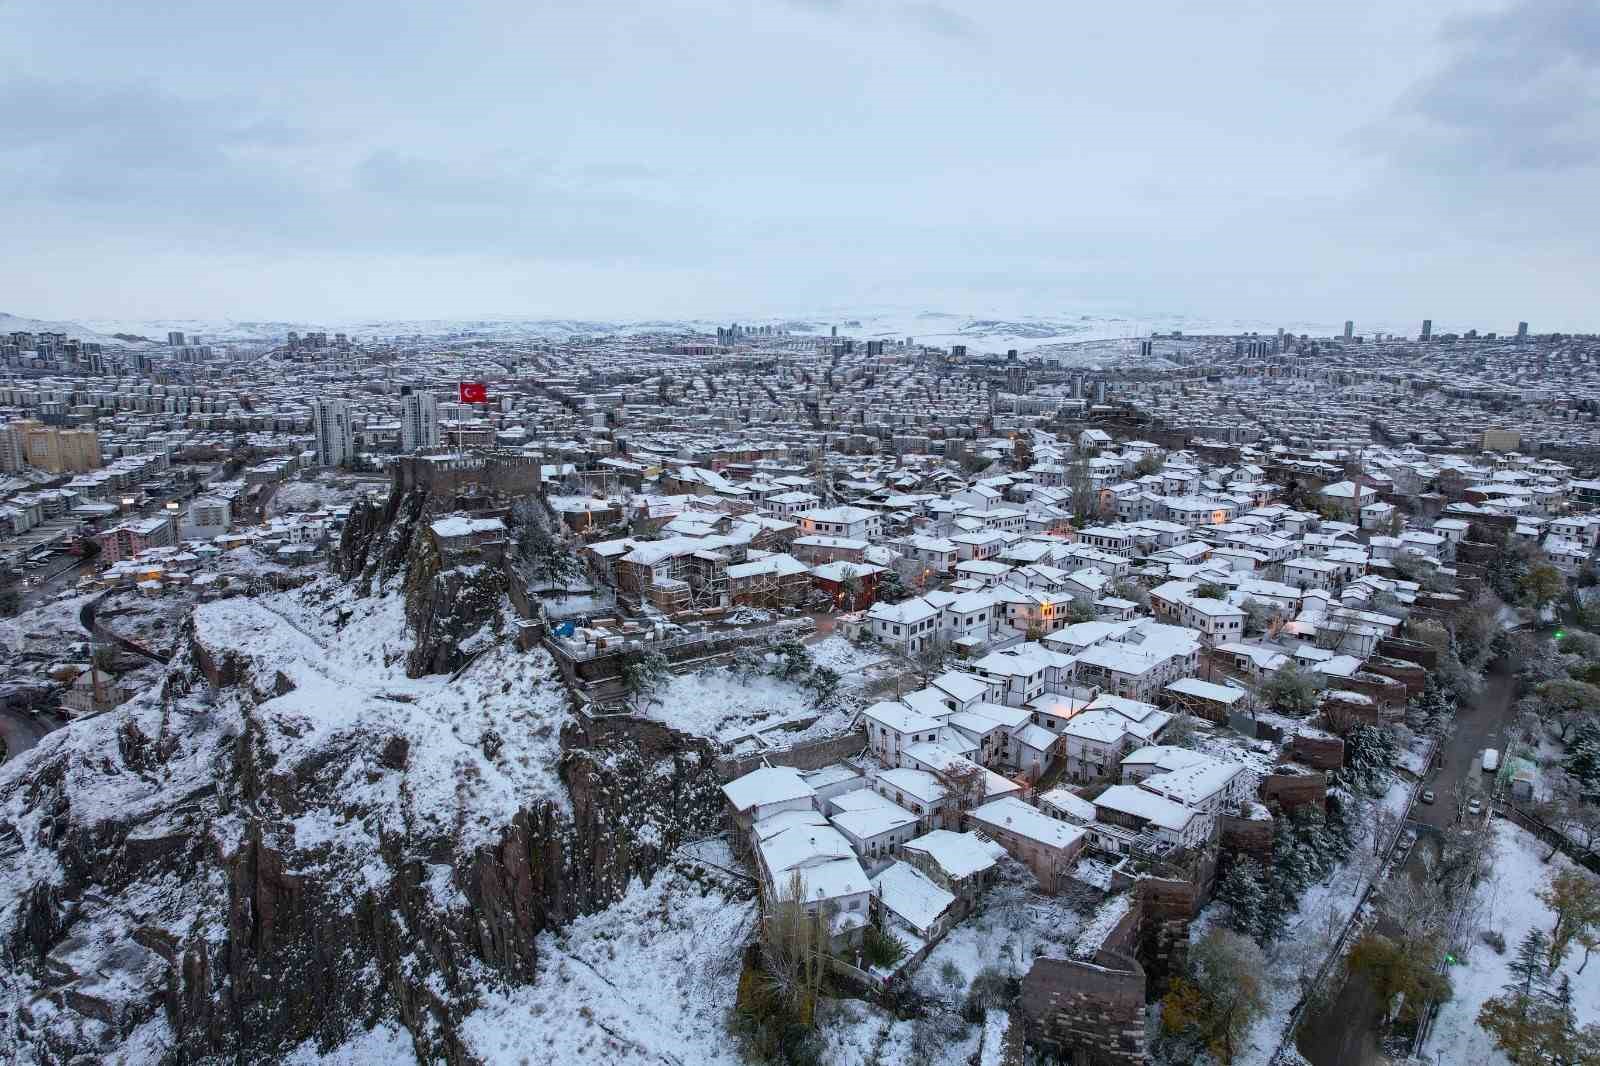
1491,760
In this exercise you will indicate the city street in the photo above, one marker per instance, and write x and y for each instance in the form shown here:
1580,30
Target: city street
1478,726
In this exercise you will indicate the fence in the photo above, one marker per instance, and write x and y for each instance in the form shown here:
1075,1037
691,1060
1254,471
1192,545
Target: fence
1548,833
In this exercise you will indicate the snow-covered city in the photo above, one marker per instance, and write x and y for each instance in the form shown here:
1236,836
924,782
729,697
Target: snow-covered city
800,533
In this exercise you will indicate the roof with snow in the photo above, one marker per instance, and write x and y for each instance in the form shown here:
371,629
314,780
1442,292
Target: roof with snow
462,526
957,854
1014,816
767,784
907,892
1146,806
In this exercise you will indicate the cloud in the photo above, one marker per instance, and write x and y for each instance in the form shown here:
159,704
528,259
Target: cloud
790,152
939,19
928,16
1519,91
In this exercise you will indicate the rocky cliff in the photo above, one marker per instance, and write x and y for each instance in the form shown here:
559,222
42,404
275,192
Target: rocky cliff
302,834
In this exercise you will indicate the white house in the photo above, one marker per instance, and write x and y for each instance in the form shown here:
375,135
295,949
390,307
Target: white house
1107,729
830,876
1124,813
855,523
893,726
908,626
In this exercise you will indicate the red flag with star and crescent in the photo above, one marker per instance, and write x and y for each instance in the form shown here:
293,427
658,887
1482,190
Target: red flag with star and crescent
473,392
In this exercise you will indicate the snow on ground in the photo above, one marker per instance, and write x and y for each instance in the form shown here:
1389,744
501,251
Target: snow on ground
648,980
1414,760
350,692
383,1045
853,663
53,622
652,979
719,704
322,494
1011,925
856,1033
1511,908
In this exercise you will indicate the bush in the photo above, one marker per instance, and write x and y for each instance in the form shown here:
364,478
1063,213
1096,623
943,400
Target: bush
1290,690
990,990
644,672
1495,939
822,682
882,949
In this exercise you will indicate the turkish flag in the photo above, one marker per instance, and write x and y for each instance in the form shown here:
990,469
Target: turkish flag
473,392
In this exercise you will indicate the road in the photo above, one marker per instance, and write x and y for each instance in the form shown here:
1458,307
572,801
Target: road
1481,725
58,575
1344,1033
22,731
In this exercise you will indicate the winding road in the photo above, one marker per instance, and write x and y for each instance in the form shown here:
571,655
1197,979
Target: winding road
21,730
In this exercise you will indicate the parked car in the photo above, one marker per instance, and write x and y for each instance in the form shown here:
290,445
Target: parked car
1427,795
1491,760
1475,805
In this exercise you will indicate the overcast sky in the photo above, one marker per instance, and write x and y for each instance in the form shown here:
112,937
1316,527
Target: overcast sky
1371,159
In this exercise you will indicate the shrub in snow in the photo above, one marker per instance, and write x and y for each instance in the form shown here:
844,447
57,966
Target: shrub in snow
880,949
990,990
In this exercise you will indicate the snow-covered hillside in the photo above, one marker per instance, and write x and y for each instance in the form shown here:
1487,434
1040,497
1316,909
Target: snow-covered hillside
981,330
17,324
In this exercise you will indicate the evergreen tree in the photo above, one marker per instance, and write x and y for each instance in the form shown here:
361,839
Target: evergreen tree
1528,975
1244,891
1369,757
794,661
891,587
1276,906
1336,830
1527,1019
1315,842
1291,868
1582,760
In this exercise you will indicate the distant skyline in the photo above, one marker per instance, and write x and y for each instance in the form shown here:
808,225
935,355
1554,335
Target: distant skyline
1382,160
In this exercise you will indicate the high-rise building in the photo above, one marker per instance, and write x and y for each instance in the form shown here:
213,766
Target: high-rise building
419,420
336,436
175,339
1427,329
1522,331
57,450
13,454
1349,329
